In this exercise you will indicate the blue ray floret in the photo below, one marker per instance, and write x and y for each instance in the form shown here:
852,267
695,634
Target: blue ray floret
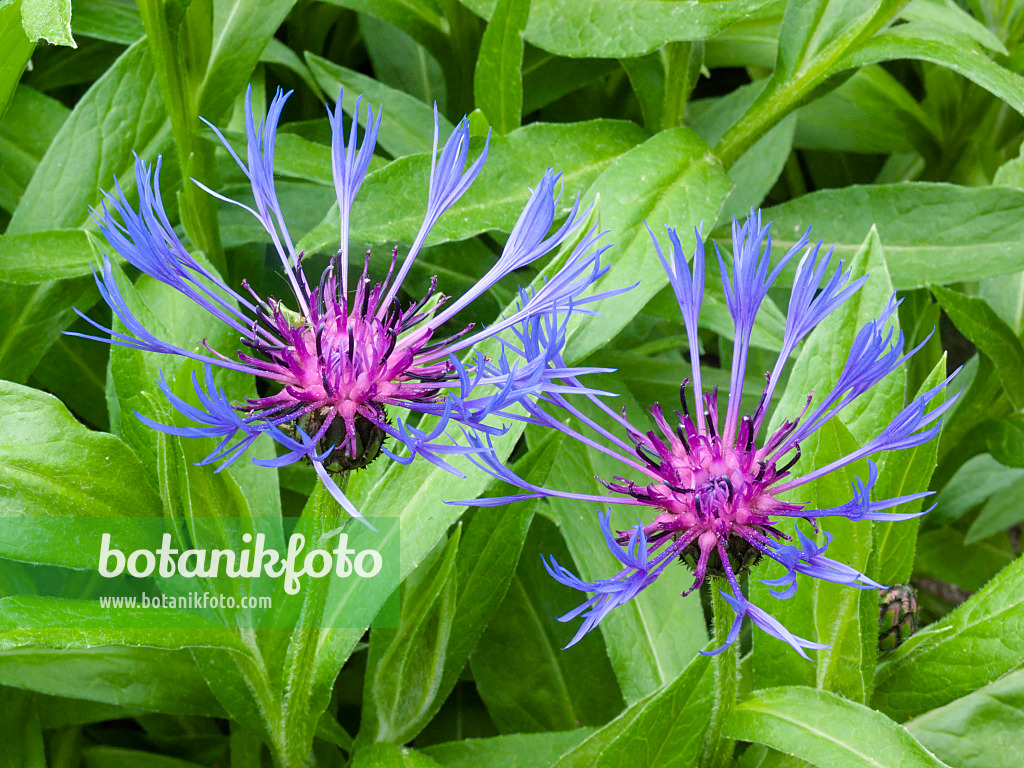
336,357
710,485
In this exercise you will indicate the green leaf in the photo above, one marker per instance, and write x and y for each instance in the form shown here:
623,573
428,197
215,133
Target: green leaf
1011,173
401,63
43,256
52,465
953,18
965,650
416,494
846,619
30,620
666,728
517,750
756,171
241,31
663,81
383,755
943,553
933,233
528,681
964,432
91,656
760,756
750,42
979,730
927,42
978,322
116,21
25,133
35,315
60,711
420,21
77,374
406,664
162,680
17,51
1005,439
119,757
919,317
807,28
407,125
498,80
825,729
279,54
1000,512
1006,296
671,179
392,201
121,113
547,78
872,112
581,28
48,20
489,552
23,748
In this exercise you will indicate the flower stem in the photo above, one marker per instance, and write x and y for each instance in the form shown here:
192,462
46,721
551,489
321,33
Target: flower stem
180,44
322,515
783,94
718,750
683,62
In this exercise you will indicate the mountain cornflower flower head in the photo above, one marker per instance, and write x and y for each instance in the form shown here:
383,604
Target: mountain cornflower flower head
342,356
707,482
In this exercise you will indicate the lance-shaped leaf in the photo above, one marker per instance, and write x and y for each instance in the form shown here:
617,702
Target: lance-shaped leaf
406,664
826,730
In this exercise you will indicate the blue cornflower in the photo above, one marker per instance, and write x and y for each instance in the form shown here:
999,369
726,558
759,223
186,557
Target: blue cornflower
345,351
712,490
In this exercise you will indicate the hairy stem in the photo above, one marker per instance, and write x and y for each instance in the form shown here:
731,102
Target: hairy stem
782,95
323,515
718,751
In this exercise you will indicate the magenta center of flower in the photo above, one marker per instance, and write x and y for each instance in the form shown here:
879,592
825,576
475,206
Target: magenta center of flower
343,363
713,494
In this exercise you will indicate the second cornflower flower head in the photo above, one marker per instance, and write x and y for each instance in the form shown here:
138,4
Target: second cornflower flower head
341,357
707,485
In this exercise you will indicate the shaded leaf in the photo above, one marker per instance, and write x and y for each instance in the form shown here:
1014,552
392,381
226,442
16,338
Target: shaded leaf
666,728
979,323
527,680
